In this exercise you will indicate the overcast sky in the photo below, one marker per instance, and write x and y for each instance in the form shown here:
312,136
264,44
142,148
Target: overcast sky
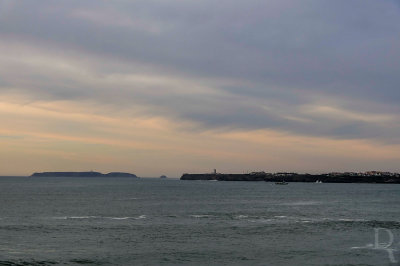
166,87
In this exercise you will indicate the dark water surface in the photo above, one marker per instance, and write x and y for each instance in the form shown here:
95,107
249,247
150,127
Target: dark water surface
122,221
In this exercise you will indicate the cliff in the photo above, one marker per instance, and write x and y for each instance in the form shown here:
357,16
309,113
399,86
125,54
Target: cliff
82,174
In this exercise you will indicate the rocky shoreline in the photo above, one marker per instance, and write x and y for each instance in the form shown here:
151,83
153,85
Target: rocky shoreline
375,177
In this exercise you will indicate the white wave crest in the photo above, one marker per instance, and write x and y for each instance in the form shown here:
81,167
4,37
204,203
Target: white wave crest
200,215
301,203
97,217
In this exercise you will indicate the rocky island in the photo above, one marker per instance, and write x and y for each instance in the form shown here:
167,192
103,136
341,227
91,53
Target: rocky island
82,174
335,177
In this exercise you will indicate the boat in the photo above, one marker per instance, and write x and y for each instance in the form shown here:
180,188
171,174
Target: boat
281,183
318,181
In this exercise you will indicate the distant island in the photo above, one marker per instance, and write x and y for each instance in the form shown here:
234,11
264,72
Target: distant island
82,174
335,177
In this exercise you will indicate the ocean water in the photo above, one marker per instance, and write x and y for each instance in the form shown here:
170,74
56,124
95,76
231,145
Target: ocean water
122,221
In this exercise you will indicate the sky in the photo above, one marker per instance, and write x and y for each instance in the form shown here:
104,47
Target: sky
156,87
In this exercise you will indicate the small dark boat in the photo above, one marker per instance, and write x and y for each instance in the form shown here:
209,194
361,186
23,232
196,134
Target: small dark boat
281,183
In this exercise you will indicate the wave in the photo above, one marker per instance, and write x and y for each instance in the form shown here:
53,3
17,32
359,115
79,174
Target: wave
98,217
127,199
22,262
201,215
119,218
374,223
261,220
74,217
389,224
351,220
301,203
367,246
51,262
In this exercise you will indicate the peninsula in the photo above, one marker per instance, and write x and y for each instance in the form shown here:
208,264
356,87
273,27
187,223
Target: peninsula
346,177
82,174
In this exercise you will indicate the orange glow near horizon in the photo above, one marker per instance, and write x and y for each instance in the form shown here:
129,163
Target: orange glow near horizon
50,136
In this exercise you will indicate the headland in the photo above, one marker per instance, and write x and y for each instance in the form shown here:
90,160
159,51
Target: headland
346,177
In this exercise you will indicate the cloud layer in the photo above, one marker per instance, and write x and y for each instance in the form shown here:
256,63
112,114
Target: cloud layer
310,69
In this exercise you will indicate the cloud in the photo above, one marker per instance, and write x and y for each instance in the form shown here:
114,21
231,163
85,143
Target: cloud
320,69
136,89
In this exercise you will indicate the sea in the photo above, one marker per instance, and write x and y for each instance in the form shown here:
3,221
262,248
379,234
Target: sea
152,221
